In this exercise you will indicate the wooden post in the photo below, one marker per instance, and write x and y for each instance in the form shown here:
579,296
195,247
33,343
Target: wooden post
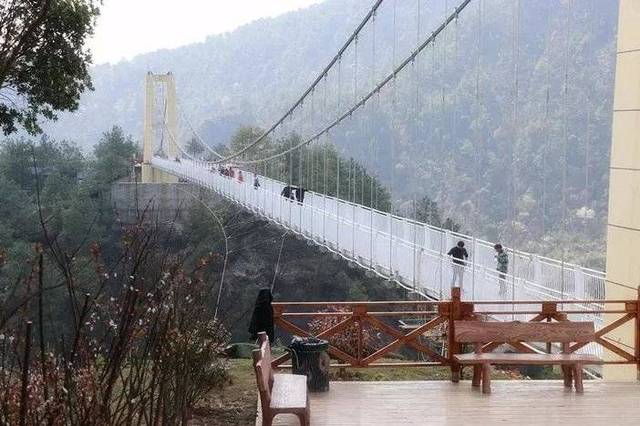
549,309
568,371
359,311
277,316
486,378
577,377
548,343
477,369
455,314
277,313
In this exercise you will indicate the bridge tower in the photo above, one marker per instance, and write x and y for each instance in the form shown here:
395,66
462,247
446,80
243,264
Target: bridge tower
623,229
160,125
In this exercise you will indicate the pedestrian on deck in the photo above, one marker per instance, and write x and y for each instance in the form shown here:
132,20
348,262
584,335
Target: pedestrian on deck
256,182
459,255
240,177
232,173
502,259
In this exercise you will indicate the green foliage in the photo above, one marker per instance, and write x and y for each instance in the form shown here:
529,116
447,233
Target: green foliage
58,158
318,168
202,231
245,135
44,65
427,211
194,147
73,194
114,155
17,215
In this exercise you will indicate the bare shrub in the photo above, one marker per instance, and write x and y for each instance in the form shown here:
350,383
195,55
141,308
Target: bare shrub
141,345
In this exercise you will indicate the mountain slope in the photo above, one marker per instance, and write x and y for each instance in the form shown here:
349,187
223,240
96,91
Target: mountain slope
518,165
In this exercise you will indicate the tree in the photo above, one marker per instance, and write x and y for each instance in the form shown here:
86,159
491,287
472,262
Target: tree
44,65
114,154
427,211
244,136
47,174
194,147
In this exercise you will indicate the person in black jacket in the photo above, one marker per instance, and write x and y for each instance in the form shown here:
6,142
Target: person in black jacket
262,318
287,192
459,255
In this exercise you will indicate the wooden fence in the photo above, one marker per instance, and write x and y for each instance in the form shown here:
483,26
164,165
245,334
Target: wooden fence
367,334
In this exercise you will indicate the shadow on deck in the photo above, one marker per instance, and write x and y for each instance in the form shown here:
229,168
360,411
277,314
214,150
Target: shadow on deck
445,403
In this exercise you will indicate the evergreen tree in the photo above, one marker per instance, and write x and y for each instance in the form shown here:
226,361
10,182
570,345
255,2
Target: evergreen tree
44,65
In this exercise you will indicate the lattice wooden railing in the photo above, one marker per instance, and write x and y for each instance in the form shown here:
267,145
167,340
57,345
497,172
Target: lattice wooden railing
617,312
349,327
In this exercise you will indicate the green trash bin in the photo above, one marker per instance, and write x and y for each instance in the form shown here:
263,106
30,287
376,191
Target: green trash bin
309,357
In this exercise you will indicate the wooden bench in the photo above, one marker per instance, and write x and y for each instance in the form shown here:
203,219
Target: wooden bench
481,333
279,393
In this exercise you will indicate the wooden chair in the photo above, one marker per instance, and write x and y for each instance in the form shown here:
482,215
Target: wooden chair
279,393
480,333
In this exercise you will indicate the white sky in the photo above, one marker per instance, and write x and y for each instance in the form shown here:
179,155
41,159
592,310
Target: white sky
129,27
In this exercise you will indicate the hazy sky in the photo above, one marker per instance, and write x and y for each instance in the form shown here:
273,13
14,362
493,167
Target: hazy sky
128,27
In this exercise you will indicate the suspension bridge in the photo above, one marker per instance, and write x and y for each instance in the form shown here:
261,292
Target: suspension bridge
401,249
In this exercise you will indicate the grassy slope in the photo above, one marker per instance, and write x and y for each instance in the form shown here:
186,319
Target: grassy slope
234,404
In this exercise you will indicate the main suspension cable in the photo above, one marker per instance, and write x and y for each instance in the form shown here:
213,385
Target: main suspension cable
348,113
195,133
313,85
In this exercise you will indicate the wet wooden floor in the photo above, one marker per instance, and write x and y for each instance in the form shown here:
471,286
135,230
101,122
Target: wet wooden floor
445,403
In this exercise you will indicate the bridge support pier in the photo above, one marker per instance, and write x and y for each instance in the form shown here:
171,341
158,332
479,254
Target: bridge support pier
160,125
623,229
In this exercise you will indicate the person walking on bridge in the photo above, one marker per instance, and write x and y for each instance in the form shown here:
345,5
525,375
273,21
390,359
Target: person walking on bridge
502,259
458,254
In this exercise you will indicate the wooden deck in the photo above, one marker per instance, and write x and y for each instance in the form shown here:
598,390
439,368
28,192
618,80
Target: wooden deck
445,403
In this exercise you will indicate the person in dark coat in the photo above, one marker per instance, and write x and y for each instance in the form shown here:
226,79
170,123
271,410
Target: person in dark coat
459,255
288,192
262,318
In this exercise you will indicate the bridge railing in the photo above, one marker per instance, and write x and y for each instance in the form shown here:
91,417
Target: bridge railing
419,333
408,252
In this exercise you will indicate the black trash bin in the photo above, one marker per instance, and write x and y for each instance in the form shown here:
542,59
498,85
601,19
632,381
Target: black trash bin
309,357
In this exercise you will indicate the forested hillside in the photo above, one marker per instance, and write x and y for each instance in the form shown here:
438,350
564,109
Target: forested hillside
504,121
